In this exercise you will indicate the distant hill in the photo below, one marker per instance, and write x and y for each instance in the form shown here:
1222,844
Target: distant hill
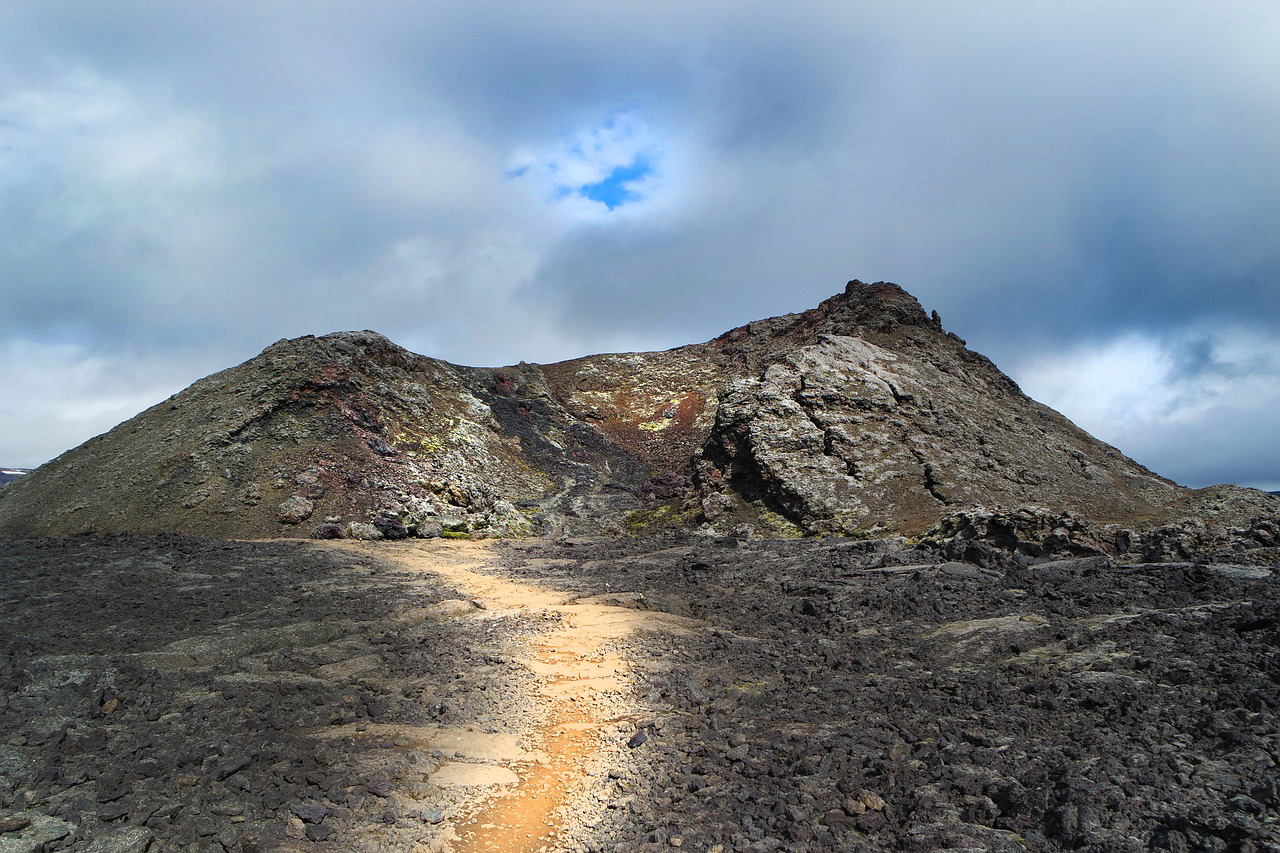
860,416
8,475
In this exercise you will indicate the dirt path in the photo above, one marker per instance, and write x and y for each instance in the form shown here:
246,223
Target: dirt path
583,690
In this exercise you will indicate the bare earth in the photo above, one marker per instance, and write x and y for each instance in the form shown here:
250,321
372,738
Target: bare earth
583,692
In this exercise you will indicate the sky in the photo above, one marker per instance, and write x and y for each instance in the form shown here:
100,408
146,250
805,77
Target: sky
1087,192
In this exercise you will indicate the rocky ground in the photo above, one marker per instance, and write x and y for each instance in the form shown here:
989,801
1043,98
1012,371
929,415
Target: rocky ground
169,693
206,695
854,694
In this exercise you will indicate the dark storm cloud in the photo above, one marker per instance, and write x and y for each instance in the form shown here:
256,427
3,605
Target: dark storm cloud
187,182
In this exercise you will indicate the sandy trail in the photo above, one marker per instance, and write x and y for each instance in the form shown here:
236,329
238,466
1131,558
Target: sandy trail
583,686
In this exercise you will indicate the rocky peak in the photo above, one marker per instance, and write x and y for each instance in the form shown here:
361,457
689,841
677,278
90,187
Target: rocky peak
862,308
880,307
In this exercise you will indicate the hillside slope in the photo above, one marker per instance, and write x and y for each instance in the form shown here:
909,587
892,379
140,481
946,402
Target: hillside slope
862,414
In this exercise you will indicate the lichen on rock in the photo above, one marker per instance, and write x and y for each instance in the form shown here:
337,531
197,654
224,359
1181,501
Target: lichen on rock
295,510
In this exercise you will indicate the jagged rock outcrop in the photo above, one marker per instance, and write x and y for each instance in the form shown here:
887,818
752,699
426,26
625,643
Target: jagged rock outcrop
862,415
847,435
885,422
1006,537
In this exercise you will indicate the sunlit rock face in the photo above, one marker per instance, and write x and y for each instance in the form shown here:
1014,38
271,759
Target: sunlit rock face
846,435
861,415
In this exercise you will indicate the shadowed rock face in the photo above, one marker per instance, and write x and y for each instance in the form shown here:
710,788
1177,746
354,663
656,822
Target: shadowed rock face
861,414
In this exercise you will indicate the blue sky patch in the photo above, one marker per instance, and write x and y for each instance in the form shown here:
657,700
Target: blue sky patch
595,169
616,190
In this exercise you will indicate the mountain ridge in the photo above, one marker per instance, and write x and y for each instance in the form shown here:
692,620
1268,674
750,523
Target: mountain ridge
859,416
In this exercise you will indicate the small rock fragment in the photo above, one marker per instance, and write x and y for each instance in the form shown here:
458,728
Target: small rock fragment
295,828
309,812
12,823
129,839
319,832
328,530
362,530
295,510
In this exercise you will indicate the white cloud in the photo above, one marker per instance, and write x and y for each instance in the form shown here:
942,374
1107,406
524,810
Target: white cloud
56,395
418,169
1196,406
561,174
112,204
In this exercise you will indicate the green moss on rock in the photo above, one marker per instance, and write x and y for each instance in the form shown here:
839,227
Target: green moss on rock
659,519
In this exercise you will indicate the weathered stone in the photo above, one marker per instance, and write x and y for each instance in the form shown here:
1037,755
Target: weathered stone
130,839
319,832
716,504
328,530
363,530
309,812
850,434
295,828
12,823
428,530
390,526
424,814
295,510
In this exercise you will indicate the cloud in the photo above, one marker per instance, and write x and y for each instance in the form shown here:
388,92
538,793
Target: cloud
189,182
617,162
57,395
1195,406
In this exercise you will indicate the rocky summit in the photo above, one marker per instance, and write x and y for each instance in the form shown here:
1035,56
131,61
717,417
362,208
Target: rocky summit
860,417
